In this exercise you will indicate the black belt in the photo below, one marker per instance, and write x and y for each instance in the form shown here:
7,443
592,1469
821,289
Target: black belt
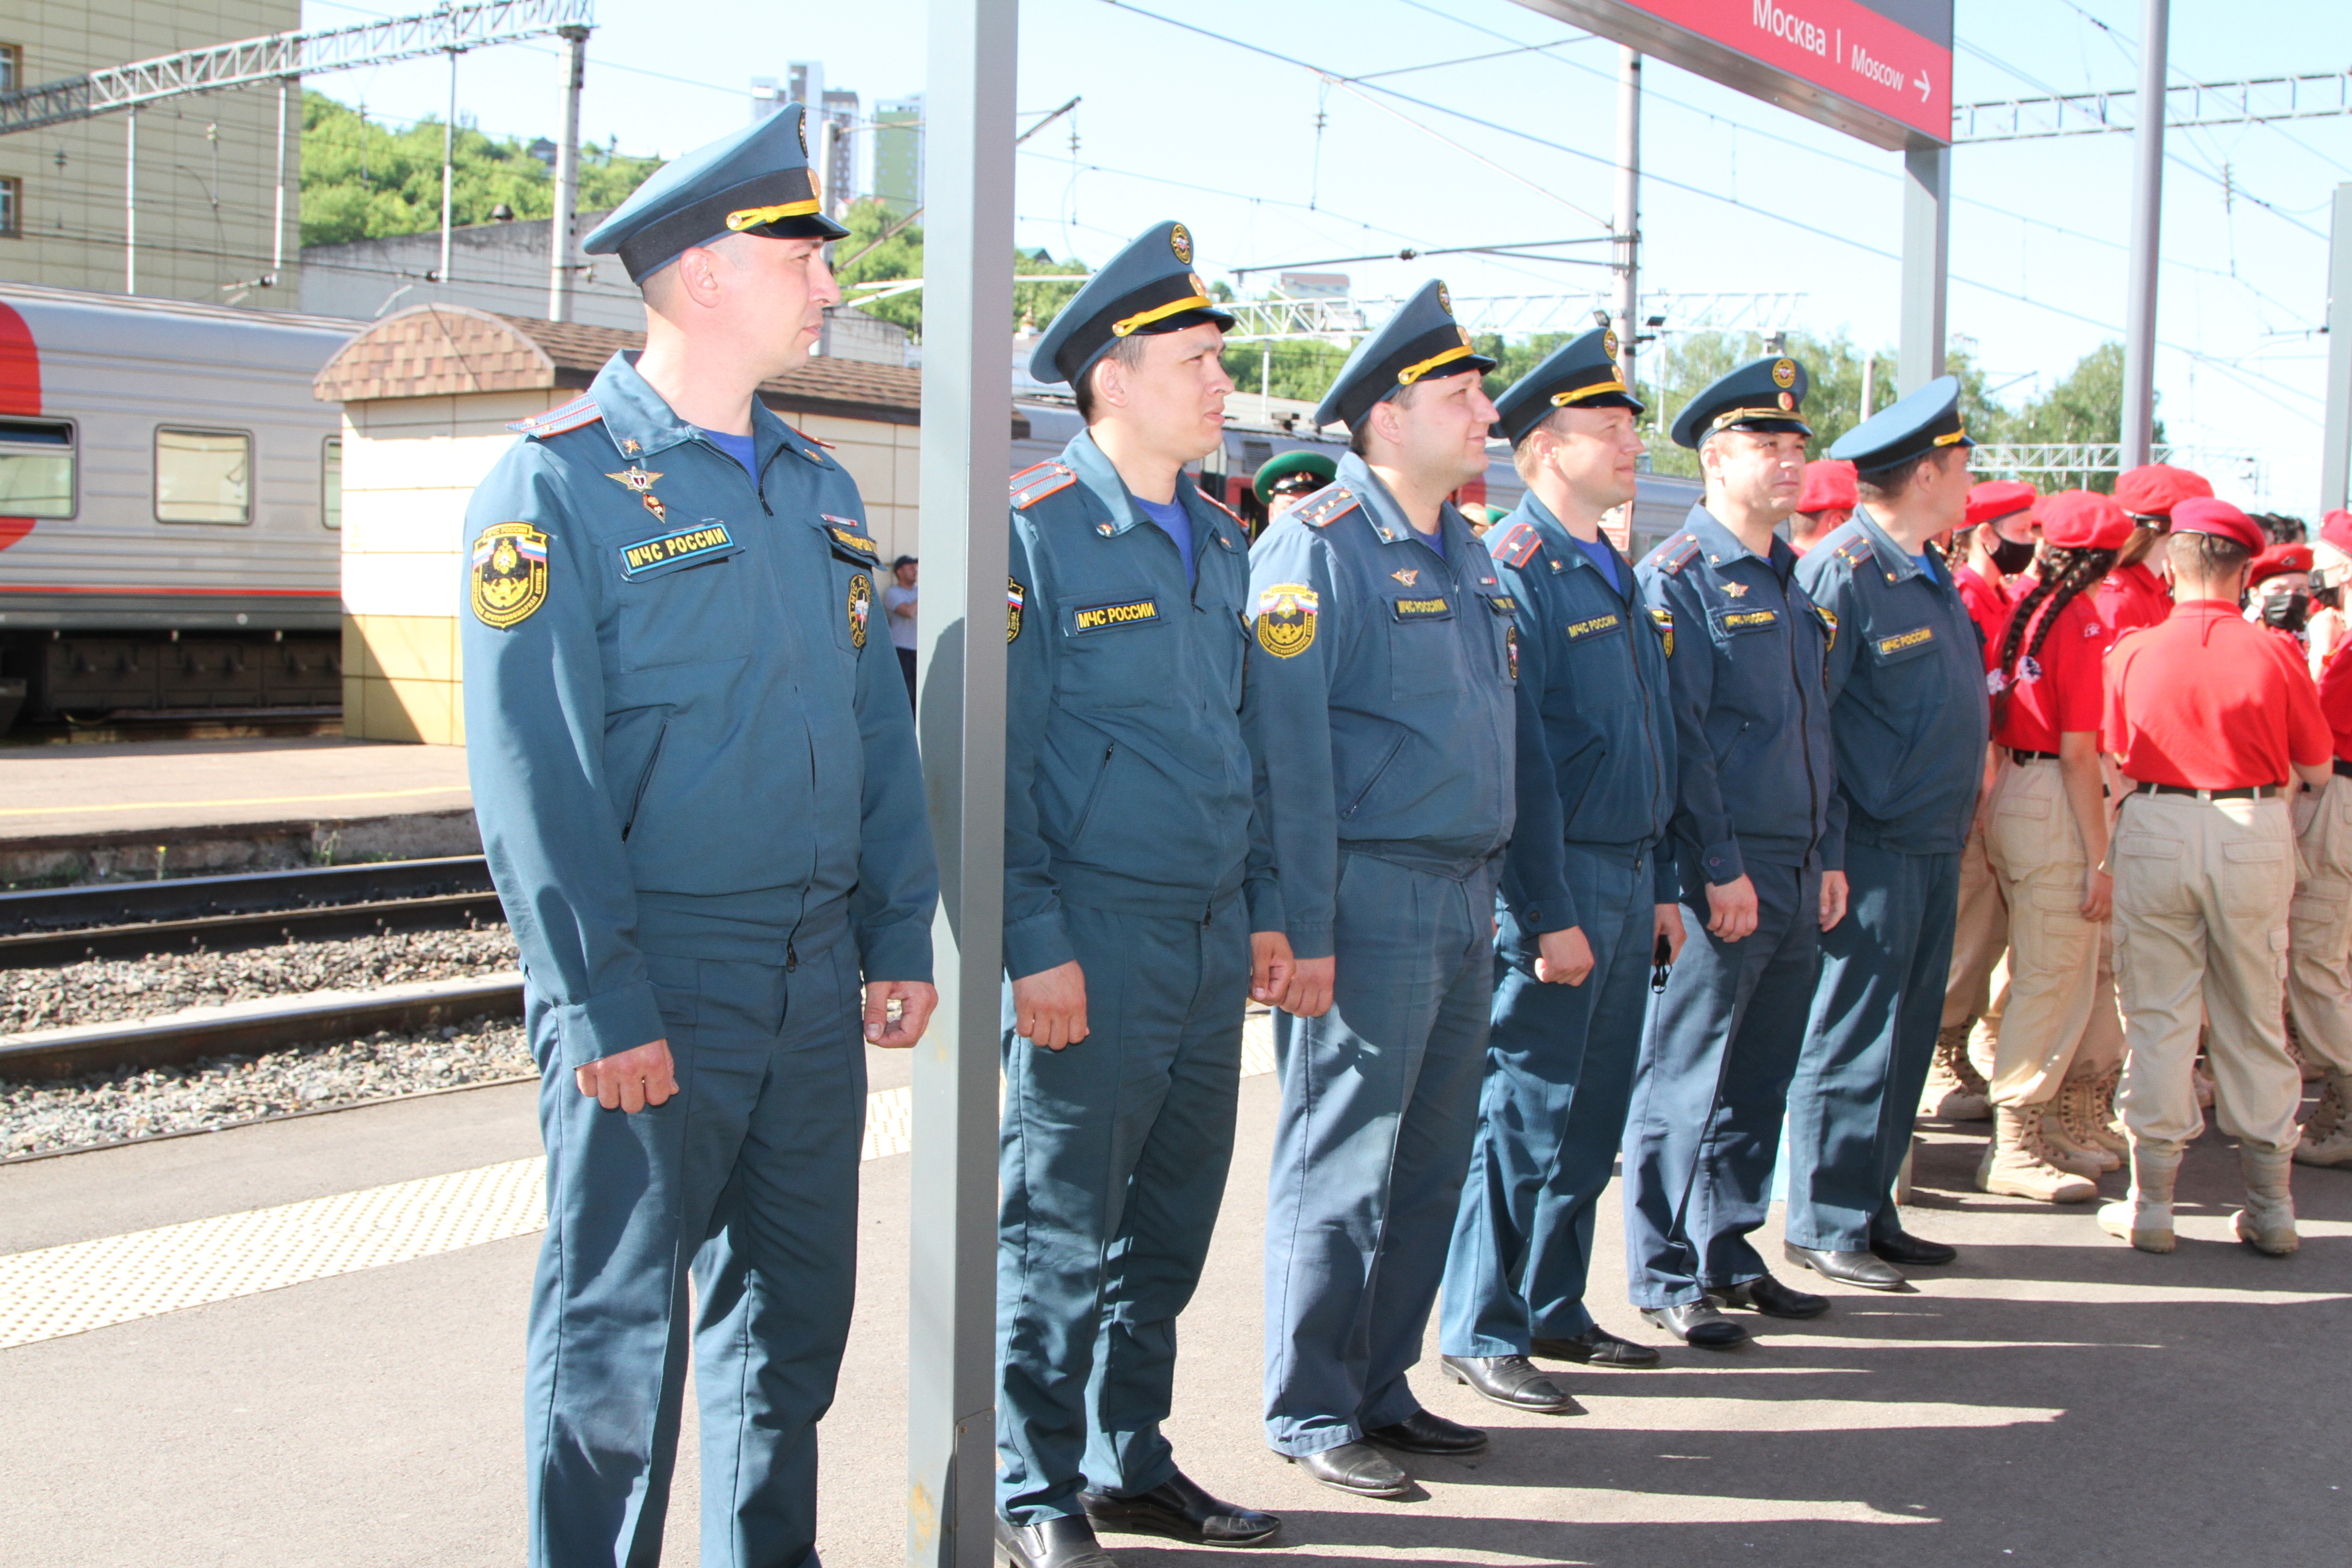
2020,755
2343,768
2243,792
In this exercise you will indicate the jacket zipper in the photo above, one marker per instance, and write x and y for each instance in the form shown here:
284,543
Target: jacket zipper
1649,732
637,801
1804,727
1094,796
1377,774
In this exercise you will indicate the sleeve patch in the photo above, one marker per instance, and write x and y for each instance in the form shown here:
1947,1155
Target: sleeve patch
1518,547
1016,598
1286,619
509,576
555,421
1034,483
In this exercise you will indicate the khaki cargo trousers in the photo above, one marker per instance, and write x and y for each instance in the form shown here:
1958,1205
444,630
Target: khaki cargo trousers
2319,951
2060,1021
2202,894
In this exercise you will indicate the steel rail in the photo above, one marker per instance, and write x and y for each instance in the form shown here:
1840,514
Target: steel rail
93,907
225,933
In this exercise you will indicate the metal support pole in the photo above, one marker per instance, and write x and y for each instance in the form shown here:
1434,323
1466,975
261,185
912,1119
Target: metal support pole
1869,385
559,249
1926,259
2146,212
448,168
1265,384
1627,225
277,224
966,454
2336,434
828,144
130,203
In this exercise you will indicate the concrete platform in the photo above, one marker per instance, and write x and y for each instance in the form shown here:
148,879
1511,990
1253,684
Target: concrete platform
75,812
2055,1398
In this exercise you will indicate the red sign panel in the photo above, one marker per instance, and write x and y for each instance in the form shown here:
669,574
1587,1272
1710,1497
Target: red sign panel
1880,70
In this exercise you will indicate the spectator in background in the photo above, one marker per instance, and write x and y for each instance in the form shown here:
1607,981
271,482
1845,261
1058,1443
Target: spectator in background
898,599
2331,565
1823,505
2280,529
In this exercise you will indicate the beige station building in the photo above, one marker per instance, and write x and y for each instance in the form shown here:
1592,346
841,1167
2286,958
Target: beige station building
428,395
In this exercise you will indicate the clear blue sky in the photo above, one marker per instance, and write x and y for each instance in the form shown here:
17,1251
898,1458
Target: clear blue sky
1176,125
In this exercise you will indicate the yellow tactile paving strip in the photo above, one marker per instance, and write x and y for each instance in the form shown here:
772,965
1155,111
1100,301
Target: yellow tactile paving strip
87,1285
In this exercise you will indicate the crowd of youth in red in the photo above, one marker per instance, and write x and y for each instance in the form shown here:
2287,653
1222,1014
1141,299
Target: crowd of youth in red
1873,792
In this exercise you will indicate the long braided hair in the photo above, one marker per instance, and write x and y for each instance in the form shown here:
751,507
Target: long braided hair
2064,572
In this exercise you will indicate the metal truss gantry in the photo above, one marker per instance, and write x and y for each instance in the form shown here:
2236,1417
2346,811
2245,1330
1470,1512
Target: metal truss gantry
2082,459
2191,104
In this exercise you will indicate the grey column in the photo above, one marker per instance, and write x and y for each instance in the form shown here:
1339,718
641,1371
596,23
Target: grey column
2336,434
1926,263
2146,215
1627,227
966,457
560,252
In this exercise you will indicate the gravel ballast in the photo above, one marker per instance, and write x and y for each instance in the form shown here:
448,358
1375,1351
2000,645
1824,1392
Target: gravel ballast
215,1093
109,990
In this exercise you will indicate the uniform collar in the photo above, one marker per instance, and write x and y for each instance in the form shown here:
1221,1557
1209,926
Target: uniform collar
1892,561
1722,547
1096,472
1390,525
641,423
1571,550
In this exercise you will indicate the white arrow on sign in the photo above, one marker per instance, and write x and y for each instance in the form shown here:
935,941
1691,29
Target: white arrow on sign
1922,85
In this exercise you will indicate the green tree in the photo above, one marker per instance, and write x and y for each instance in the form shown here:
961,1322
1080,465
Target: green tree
2086,405
361,180
881,245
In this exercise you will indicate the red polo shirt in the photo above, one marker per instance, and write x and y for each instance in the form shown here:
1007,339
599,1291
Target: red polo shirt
1987,605
2131,597
2336,699
2206,701
2068,694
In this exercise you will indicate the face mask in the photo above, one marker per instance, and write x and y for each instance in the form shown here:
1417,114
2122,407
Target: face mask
2011,556
2288,611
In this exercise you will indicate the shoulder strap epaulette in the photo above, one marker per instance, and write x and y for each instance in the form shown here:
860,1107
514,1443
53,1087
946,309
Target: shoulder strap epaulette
1034,483
1326,504
1222,508
1518,547
1676,552
579,411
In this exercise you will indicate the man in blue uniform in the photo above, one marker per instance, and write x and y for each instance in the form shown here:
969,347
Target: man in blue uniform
1910,718
1756,842
695,771
1129,805
1383,713
1585,896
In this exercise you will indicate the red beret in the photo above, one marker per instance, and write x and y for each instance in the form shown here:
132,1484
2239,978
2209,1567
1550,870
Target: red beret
1998,498
1828,483
2084,520
2279,559
2203,514
2337,529
2155,488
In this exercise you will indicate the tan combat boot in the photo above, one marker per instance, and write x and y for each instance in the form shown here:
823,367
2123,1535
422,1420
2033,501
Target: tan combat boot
2145,1218
1955,1091
2014,1165
2109,1127
2327,1131
2267,1222
2070,1138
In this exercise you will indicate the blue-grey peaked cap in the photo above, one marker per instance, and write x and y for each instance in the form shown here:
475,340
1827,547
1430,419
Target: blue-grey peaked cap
1926,421
1581,372
1764,395
1421,338
757,181
1147,287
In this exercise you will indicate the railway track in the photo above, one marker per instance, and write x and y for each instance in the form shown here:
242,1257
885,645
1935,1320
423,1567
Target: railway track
135,920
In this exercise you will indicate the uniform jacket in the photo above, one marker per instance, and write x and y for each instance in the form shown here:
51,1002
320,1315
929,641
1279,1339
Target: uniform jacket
1988,605
1127,784
1383,707
684,723
1905,683
1596,735
2131,597
1755,775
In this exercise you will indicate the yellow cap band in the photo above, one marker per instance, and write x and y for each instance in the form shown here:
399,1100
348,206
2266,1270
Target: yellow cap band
1413,372
752,217
1959,435
1736,414
1562,399
1158,314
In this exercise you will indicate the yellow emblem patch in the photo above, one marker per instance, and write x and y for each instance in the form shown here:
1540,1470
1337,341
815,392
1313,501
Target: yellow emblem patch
1180,240
1511,649
1829,625
509,573
1286,619
1016,597
1665,620
1784,373
861,605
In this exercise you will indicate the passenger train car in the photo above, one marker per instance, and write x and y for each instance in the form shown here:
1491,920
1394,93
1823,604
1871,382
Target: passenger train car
169,500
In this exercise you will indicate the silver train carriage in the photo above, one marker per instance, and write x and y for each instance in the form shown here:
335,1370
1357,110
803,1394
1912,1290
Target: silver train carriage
170,492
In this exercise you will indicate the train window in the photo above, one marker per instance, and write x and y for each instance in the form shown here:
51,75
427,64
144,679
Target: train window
12,67
204,476
37,467
331,483
12,202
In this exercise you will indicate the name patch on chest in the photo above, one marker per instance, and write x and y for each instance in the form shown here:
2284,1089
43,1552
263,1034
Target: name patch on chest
845,533
1750,620
1102,617
1421,609
1579,630
687,546
1902,640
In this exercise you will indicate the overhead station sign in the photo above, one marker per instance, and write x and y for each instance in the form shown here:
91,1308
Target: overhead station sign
1878,70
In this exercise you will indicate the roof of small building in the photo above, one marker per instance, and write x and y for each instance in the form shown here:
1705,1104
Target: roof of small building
441,350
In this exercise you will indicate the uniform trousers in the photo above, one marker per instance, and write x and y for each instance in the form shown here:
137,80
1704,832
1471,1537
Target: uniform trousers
1112,1157
1380,1099
1560,1071
2202,895
2060,1021
1868,1046
747,1180
2319,974
1979,933
1711,1088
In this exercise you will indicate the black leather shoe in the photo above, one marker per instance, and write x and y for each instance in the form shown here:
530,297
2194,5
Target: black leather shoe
1699,1324
1767,1295
1511,1380
1357,1467
1907,1248
1425,1432
1066,1543
1596,1346
1857,1269
1180,1510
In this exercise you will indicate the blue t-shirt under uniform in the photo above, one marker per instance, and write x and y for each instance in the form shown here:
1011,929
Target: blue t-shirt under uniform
744,449
1604,558
1927,565
1176,523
